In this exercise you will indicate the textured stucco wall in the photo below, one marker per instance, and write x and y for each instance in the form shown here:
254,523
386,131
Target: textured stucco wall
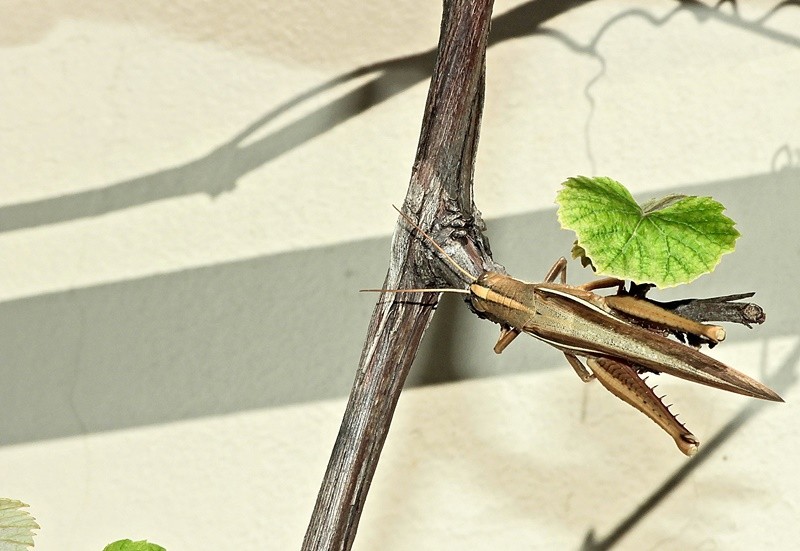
187,212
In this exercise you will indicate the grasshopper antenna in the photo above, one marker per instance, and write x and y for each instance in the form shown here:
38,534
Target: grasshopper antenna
449,258
460,291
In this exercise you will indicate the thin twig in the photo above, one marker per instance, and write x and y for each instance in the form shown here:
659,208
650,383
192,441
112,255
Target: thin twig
718,309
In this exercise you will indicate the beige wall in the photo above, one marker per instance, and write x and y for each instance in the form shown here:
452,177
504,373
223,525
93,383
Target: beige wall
183,229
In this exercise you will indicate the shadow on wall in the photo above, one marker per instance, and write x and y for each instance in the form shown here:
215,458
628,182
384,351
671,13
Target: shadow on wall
288,328
781,380
219,171
221,168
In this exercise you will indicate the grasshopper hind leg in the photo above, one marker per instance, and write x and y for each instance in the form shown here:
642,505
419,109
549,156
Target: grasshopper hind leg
622,380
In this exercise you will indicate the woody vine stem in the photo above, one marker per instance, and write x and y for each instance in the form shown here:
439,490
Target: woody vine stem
440,189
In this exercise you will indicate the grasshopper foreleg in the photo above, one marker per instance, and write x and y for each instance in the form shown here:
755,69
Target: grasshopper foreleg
559,269
585,375
507,334
603,283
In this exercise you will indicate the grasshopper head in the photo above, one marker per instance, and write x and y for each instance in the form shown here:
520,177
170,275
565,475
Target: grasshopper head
483,291
502,299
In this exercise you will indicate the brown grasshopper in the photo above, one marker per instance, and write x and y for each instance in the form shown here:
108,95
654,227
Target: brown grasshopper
603,331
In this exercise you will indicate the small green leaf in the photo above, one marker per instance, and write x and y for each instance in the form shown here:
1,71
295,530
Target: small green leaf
666,241
128,545
16,526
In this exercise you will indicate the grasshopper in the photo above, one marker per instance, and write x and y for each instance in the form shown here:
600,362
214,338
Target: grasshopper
603,330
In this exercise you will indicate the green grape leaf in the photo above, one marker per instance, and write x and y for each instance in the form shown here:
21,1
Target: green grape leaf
666,241
128,545
16,526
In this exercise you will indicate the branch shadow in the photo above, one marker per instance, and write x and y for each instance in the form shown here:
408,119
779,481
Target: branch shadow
220,339
219,170
279,330
782,380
